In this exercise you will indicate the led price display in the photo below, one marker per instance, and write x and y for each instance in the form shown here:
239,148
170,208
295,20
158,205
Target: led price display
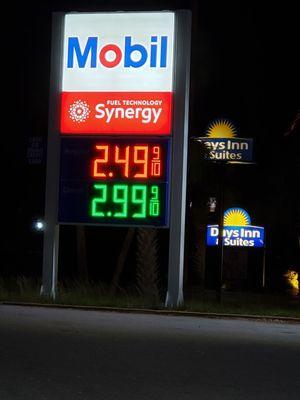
127,161
114,181
123,201
113,203
115,159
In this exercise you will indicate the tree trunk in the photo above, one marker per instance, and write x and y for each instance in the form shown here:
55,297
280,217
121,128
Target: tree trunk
147,263
81,253
121,261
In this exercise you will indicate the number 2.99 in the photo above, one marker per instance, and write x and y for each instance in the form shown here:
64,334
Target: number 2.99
125,201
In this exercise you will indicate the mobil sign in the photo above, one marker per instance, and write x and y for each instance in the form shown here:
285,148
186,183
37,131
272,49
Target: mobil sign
117,73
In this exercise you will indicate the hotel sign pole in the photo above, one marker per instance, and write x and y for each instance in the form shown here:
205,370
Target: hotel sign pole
179,158
220,235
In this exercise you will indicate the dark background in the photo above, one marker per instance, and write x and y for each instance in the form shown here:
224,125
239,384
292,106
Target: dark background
244,67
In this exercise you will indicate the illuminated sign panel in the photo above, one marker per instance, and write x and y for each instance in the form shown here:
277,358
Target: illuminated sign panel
236,149
223,145
115,123
110,159
116,113
114,180
237,231
117,73
249,236
113,203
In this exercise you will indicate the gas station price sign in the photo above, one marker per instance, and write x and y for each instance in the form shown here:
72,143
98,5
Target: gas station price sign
116,113
114,181
118,128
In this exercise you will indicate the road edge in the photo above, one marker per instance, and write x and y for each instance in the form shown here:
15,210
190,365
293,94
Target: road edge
181,313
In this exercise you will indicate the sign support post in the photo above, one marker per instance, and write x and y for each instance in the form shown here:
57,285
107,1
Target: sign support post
264,266
179,159
220,236
51,233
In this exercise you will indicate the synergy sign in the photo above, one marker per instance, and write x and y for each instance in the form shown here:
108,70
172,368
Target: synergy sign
117,75
223,145
237,230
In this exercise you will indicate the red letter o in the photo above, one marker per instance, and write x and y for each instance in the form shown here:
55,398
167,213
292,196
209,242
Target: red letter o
102,55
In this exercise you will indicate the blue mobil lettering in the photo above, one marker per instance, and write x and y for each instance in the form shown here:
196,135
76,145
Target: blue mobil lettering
229,149
91,53
239,236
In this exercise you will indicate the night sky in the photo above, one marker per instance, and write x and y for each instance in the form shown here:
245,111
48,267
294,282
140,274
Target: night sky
244,67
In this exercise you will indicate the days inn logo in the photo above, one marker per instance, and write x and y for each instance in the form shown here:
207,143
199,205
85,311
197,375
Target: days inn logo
237,231
221,128
236,217
223,144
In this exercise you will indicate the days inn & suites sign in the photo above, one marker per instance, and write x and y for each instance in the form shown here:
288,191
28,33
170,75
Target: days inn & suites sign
237,231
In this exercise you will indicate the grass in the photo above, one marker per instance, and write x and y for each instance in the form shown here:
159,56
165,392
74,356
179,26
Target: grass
81,293
248,304
22,289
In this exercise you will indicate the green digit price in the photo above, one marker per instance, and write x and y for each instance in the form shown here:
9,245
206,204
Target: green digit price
139,196
102,198
120,196
121,201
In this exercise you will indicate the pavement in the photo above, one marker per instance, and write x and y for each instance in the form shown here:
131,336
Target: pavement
71,354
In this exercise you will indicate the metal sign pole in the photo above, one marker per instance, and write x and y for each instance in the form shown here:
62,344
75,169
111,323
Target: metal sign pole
51,234
179,158
264,264
220,235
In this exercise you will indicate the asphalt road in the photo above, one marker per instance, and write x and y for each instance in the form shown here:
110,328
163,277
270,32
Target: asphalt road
61,354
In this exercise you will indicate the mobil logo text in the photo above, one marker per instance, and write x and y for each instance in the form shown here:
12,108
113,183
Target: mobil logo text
93,53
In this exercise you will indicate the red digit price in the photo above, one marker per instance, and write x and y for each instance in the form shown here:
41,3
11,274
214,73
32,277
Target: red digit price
102,160
137,161
124,161
141,157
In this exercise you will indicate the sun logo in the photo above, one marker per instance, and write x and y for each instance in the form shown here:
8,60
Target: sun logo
79,111
236,217
221,128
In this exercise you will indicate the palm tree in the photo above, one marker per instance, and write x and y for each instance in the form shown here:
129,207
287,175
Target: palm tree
147,274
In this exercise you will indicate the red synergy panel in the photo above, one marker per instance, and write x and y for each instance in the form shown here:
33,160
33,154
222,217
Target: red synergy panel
116,113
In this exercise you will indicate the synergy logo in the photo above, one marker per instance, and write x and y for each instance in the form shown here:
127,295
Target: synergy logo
222,143
118,73
79,111
237,230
